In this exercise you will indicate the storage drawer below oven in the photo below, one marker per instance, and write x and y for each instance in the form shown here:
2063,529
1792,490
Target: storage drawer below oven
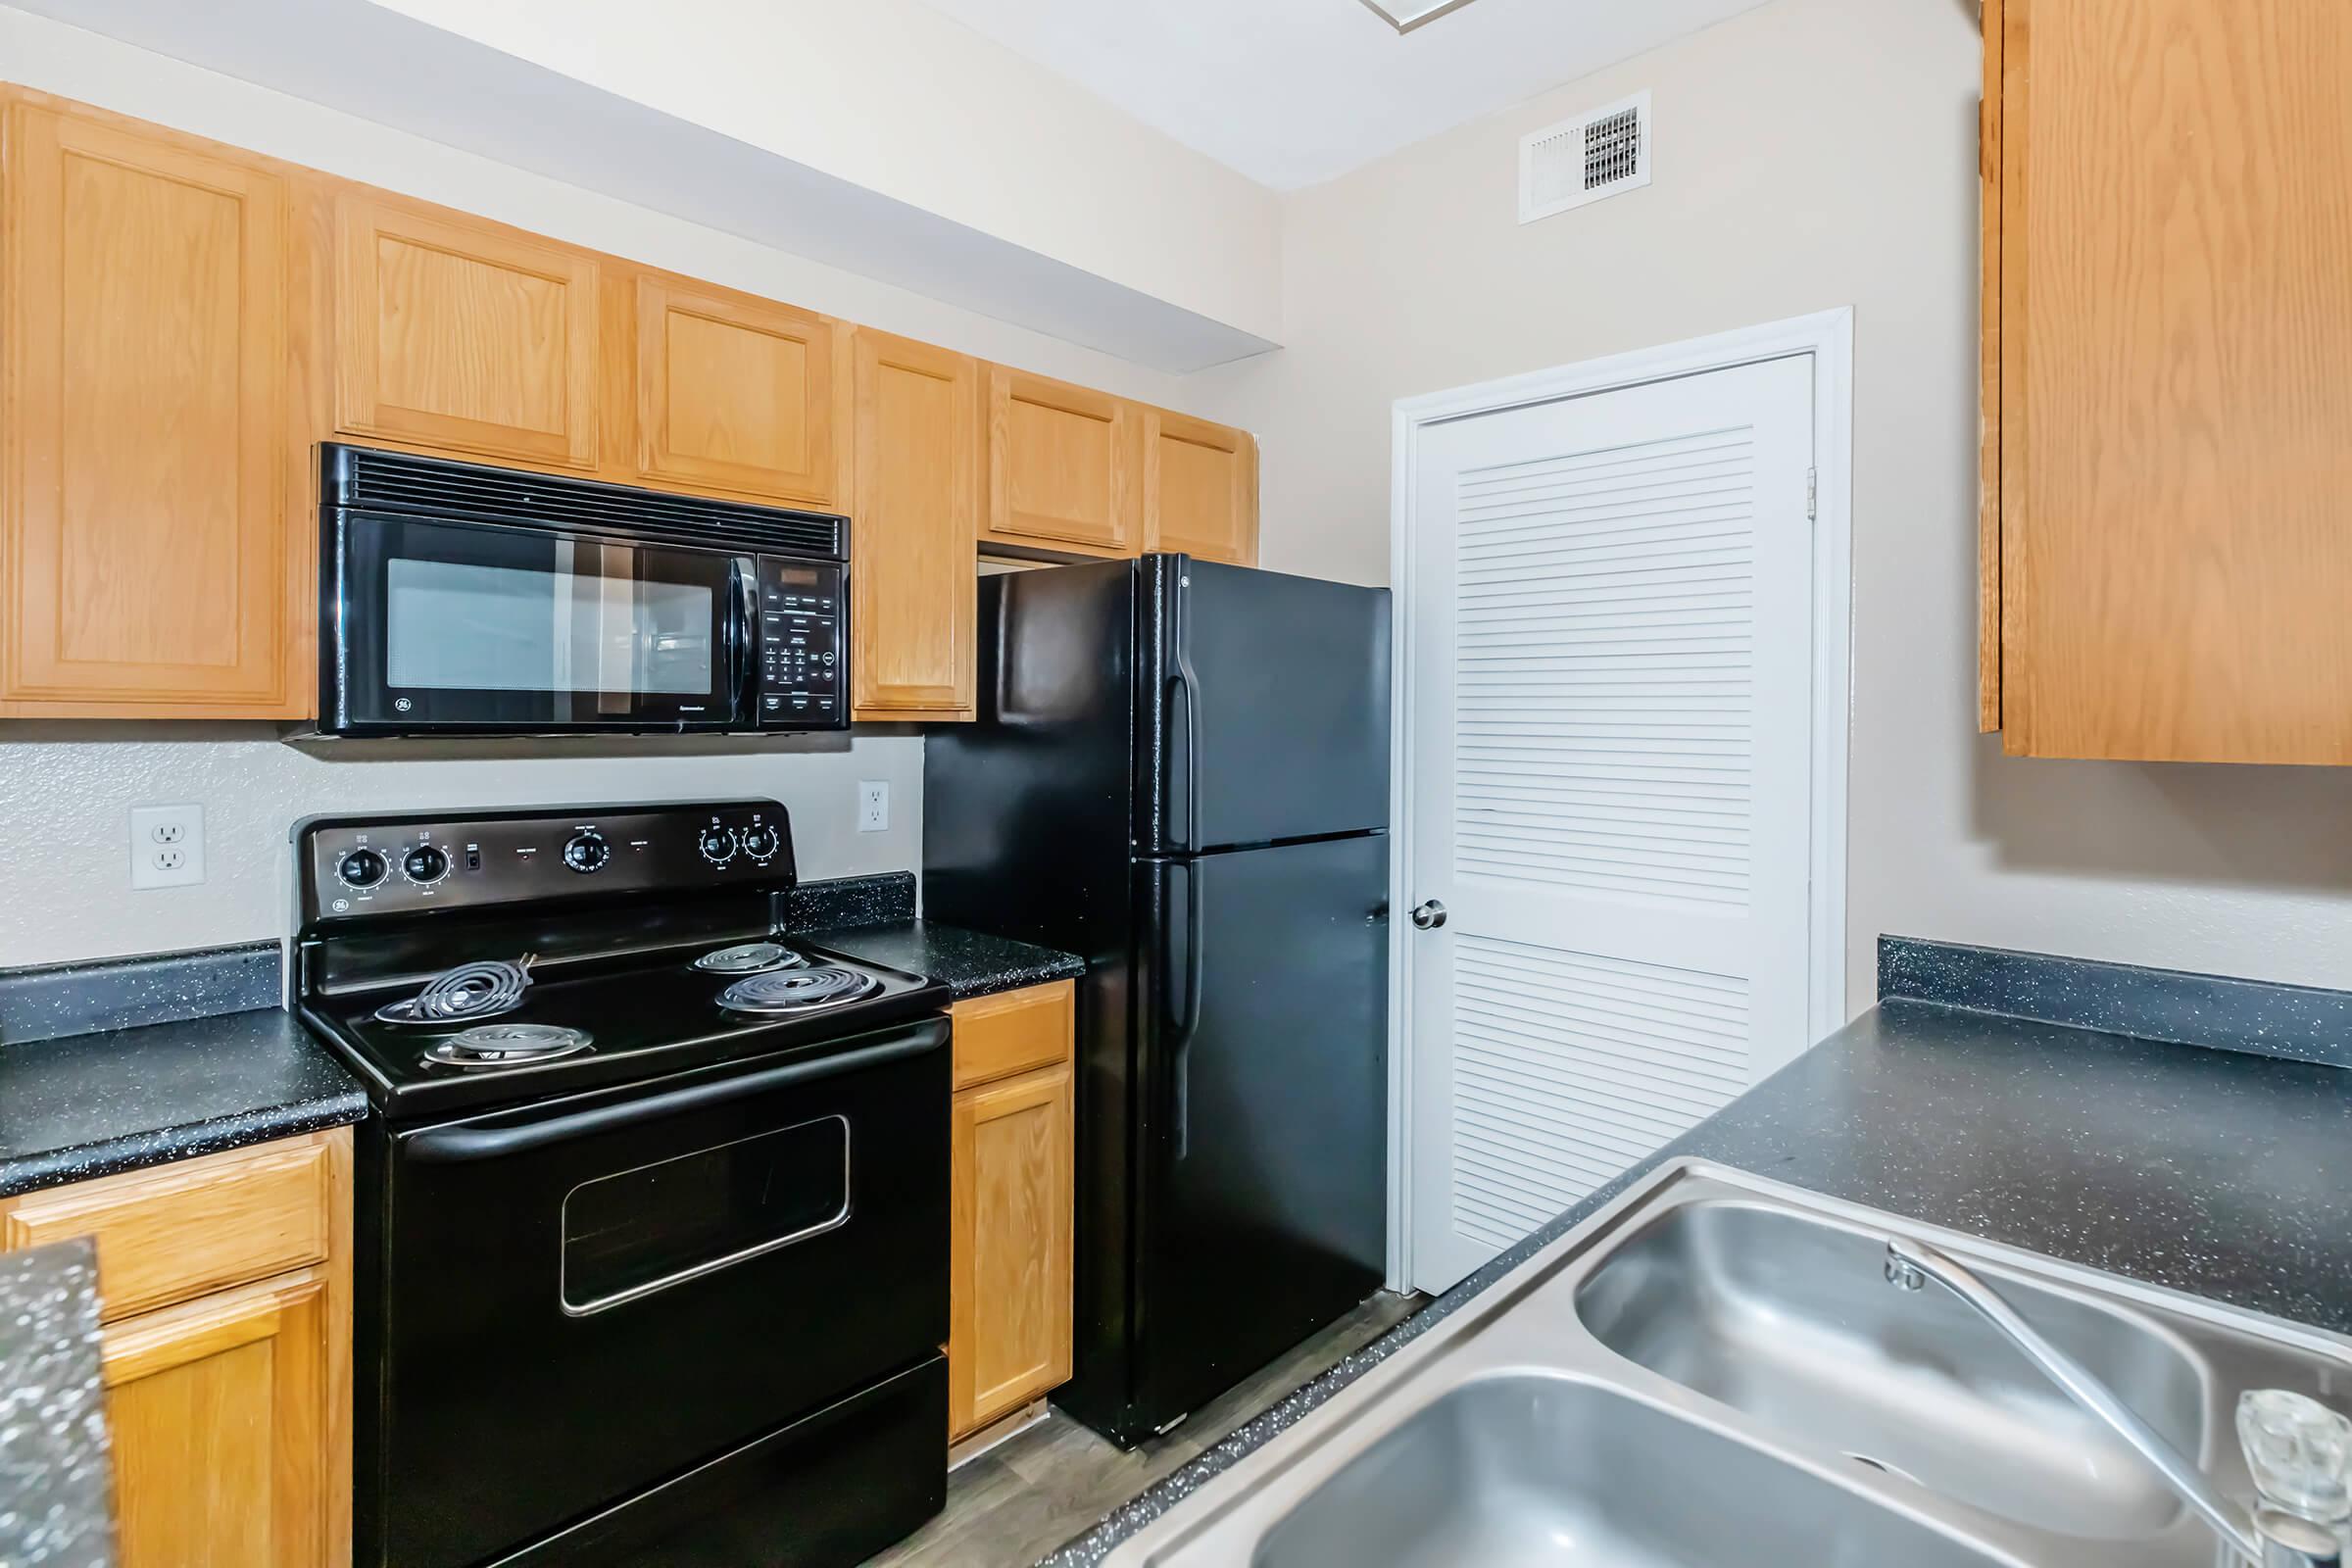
827,1492
584,1298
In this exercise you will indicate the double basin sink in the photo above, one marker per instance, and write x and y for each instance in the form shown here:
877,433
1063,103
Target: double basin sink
1715,1370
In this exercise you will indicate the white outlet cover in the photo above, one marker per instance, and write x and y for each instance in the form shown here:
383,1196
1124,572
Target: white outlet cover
166,846
873,805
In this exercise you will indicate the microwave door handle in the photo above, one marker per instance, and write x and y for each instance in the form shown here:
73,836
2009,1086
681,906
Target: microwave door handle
451,1146
743,637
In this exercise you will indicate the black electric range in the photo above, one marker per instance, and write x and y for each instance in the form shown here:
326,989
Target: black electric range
652,1221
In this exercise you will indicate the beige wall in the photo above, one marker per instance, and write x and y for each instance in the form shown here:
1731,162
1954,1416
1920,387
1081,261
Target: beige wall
1810,154
65,789
898,98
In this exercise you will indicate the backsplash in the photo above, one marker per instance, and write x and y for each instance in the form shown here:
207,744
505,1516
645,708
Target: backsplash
2222,1013
64,878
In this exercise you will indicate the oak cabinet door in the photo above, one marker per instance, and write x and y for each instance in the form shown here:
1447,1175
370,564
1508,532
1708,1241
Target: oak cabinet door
1065,467
913,586
2168,364
734,393
1199,489
221,1452
1009,1293
149,567
460,334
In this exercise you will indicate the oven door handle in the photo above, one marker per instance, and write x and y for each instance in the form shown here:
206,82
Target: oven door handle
450,1146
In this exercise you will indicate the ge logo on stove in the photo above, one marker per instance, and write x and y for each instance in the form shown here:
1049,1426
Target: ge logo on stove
401,705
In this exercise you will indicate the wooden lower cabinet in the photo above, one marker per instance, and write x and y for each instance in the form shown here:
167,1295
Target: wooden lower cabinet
223,1450
230,1405
1009,1328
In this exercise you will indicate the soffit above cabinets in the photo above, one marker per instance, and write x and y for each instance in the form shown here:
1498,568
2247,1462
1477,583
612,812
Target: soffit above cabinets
1106,278
1295,92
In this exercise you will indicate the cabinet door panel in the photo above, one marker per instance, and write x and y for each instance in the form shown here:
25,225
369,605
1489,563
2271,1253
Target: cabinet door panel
1010,1297
222,1450
914,592
1065,467
464,336
1199,489
734,392
2173,403
150,566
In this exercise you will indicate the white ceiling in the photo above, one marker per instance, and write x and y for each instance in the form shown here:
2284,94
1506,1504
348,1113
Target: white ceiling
1294,92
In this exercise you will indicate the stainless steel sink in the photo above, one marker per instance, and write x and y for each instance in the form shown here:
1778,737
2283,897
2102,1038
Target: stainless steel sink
1522,1469
1786,1318
1712,1369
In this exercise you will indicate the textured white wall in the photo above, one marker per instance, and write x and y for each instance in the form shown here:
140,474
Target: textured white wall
1809,154
66,793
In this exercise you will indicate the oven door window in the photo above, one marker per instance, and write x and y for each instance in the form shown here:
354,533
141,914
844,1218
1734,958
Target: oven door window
470,624
629,1235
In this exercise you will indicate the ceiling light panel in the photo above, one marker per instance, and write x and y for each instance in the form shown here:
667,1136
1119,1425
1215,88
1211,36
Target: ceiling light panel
1406,14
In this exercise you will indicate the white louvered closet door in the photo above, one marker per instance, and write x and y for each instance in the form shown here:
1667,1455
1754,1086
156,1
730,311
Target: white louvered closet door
1611,687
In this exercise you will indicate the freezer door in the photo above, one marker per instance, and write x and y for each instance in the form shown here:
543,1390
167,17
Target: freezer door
1264,1143
1264,707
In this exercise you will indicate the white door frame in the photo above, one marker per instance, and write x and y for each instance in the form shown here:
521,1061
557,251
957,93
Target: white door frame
1829,337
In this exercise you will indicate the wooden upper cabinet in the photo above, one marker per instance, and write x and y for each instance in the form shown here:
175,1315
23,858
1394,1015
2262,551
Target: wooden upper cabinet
913,593
464,336
151,565
1199,488
2168,527
1065,467
735,393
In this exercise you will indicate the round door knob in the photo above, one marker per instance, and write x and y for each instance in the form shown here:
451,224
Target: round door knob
1430,915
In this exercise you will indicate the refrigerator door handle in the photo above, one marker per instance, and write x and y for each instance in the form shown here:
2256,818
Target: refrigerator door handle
1186,681
1182,1029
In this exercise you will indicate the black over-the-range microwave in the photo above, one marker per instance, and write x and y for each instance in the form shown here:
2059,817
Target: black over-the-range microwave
458,598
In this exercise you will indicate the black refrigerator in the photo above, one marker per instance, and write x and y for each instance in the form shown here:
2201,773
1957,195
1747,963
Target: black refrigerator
1180,771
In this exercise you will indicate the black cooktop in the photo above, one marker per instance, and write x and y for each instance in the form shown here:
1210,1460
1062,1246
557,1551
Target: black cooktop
644,1014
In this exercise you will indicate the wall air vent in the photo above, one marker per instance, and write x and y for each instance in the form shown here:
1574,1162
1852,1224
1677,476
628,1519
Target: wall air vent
1585,159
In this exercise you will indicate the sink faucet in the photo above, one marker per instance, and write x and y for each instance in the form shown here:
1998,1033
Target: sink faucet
2295,1447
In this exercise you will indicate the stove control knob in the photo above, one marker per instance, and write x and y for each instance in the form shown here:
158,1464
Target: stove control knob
587,851
760,843
362,869
424,866
718,845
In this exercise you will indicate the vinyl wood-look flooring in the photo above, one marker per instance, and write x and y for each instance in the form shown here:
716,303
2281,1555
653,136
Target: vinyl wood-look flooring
1012,1504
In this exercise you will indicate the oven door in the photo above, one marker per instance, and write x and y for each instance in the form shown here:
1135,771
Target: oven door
586,1298
453,626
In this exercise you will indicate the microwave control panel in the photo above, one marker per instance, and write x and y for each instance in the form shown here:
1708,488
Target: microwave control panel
804,645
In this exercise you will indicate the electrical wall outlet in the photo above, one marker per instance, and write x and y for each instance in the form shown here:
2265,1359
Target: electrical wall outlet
873,805
166,846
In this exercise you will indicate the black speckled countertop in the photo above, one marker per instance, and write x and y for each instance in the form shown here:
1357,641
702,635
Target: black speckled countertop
2216,1172
93,1104
56,1475
967,962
